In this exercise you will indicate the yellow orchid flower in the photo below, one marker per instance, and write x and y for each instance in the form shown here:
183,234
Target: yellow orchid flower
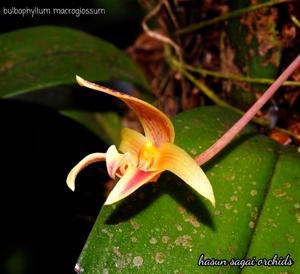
143,158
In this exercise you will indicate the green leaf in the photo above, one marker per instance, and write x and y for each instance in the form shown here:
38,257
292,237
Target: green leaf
165,227
278,226
40,57
106,125
37,58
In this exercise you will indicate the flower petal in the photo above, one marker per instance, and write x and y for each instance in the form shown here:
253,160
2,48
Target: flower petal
157,126
91,158
132,179
113,161
132,142
176,160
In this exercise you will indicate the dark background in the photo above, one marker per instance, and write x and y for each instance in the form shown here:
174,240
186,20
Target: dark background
43,224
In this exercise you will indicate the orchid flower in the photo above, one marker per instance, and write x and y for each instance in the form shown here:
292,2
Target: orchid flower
143,157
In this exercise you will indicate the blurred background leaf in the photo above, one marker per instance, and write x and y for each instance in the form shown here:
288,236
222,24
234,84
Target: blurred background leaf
51,56
106,125
42,57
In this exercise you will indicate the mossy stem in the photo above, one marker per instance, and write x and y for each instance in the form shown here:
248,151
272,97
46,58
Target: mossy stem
229,15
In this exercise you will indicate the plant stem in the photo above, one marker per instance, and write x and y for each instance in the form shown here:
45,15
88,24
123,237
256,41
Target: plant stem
226,16
245,119
295,21
235,77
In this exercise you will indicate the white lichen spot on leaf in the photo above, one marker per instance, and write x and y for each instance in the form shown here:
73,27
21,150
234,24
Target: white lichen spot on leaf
290,238
134,239
253,192
192,220
233,198
228,206
278,193
251,224
217,212
298,217
116,250
202,236
134,224
138,261
160,257
106,232
121,260
184,241
193,151
153,241
178,227
165,239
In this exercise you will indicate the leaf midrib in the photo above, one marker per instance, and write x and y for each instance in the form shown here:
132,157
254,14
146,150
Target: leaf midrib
268,187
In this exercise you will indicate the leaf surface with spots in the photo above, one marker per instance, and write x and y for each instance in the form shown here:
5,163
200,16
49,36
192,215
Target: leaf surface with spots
164,227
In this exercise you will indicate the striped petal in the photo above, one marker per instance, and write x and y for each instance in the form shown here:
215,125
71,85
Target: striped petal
132,179
132,142
177,161
91,158
157,126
